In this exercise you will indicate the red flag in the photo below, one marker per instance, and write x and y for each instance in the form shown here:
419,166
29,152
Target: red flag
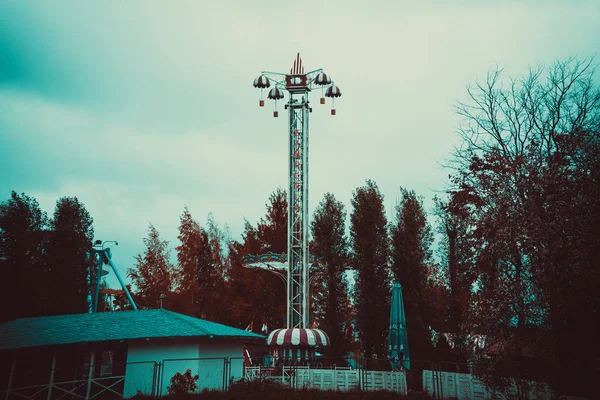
250,327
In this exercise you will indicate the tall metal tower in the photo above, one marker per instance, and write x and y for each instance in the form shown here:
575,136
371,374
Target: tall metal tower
298,85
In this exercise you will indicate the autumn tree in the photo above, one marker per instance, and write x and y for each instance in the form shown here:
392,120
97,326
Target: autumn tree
527,177
370,257
23,228
259,295
219,239
411,257
272,228
330,303
69,262
201,264
154,274
455,251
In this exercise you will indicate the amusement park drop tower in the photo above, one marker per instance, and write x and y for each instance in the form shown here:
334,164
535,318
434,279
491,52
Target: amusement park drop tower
298,85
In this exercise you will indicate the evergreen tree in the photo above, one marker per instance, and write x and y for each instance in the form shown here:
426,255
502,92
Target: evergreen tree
219,239
370,255
201,280
69,264
411,241
329,299
259,295
273,227
23,228
154,274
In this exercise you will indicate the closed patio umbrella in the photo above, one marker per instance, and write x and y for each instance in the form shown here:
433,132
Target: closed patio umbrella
398,338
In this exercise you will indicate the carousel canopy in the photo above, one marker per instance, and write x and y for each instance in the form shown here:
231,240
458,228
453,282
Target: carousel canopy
298,337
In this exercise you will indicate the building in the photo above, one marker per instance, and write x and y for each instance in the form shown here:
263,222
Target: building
118,354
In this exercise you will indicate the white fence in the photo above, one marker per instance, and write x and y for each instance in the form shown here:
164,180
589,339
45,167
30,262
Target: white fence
343,379
448,385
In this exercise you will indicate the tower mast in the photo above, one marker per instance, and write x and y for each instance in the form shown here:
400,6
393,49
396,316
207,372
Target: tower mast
298,84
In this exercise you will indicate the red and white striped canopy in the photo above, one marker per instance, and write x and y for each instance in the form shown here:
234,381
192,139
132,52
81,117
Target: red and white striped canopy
275,94
298,337
262,82
322,79
333,91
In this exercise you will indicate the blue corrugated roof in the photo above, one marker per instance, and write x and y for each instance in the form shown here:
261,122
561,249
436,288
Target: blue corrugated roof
99,327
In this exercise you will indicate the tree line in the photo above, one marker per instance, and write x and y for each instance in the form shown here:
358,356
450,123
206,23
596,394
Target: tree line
517,262
45,263
209,280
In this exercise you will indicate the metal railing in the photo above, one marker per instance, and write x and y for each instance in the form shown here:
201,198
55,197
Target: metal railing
95,381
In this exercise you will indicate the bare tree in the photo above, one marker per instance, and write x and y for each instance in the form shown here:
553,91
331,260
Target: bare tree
527,185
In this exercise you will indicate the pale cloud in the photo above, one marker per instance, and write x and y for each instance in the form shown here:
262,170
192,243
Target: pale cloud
142,108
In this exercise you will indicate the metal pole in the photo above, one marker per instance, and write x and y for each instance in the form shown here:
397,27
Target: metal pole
305,217
51,376
288,313
10,378
114,268
90,375
98,277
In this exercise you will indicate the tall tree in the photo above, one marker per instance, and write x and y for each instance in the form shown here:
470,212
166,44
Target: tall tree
329,298
68,258
411,256
23,227
219,239
273,227
528,178
201,277
259,295
370,257
455,253
154,274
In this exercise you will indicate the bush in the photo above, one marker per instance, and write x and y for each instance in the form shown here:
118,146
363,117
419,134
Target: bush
257,385
183,384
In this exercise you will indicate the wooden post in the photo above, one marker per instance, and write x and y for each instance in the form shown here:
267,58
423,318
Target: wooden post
51,376
90,375
10,378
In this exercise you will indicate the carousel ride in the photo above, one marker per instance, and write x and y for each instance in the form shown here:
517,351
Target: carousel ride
296,340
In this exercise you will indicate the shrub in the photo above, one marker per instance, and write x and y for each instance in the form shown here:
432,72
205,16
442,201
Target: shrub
257,385
183,384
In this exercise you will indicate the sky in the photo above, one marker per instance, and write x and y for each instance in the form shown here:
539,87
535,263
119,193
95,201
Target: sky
141,108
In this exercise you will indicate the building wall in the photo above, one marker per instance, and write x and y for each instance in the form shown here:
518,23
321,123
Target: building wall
204,359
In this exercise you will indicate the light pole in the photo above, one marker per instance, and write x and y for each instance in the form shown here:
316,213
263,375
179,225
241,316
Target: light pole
298,85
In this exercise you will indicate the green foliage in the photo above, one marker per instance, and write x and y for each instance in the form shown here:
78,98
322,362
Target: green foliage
183,383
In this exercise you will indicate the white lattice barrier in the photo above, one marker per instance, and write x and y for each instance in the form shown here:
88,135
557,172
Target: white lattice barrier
339,379
328,379
384,380
448,385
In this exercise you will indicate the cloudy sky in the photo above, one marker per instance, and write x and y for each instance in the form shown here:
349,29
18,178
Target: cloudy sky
140,108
